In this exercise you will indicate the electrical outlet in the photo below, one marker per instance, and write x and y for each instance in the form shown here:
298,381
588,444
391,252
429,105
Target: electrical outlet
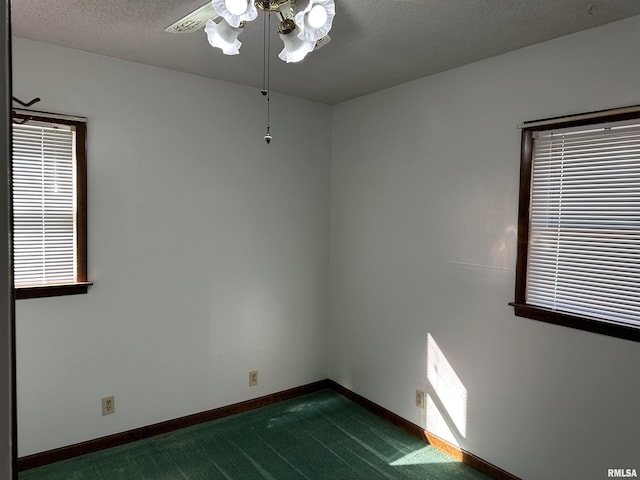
253,378
108,405
419,399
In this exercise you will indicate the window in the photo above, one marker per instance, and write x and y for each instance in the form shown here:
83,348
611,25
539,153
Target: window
49,205
579,223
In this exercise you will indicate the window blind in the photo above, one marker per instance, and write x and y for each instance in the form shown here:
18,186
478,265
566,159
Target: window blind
584,245
44,204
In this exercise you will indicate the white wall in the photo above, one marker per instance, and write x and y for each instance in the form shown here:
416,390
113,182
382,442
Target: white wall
208,249
210,253
424,213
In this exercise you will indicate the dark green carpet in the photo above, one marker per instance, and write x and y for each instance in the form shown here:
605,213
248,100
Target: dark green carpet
318,436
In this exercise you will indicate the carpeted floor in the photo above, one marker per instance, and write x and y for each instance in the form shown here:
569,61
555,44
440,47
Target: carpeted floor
318,436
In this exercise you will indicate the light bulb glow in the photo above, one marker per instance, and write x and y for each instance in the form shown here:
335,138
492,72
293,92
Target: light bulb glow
237,7
235,11
314,22
317,16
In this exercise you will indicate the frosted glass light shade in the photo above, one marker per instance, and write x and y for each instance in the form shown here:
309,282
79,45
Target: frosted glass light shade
222,8
310,20
295,49
223,36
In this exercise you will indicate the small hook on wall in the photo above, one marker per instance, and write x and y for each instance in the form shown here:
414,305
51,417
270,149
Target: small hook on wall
26,104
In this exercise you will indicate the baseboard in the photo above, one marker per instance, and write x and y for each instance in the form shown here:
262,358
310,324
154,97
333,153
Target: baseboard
453,451
470,459
71,451
64,453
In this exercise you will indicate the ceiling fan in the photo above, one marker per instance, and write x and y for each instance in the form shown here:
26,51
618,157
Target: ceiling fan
303,25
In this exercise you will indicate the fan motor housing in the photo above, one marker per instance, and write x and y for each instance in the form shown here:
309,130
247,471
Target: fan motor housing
272,5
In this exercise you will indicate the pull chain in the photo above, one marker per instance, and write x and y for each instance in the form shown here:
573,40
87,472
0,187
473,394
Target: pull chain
266,87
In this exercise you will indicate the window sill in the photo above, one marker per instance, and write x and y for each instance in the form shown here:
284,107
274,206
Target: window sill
41,291
603,327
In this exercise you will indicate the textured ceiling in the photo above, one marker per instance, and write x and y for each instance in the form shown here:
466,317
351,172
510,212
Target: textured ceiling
375,43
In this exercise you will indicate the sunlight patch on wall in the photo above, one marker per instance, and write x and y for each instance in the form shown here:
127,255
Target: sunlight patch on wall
450,393
437,425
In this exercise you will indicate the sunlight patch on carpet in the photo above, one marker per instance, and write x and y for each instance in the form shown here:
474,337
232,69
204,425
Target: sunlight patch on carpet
422,456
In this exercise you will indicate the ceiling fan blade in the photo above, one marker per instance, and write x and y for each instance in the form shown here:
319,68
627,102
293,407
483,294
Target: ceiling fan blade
194,21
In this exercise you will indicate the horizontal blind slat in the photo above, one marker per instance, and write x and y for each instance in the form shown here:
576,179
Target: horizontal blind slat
44,204
584,248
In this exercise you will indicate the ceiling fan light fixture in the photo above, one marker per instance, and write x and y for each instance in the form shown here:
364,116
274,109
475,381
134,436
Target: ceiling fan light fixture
295,48
223,36
315,20
301,31
228,9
